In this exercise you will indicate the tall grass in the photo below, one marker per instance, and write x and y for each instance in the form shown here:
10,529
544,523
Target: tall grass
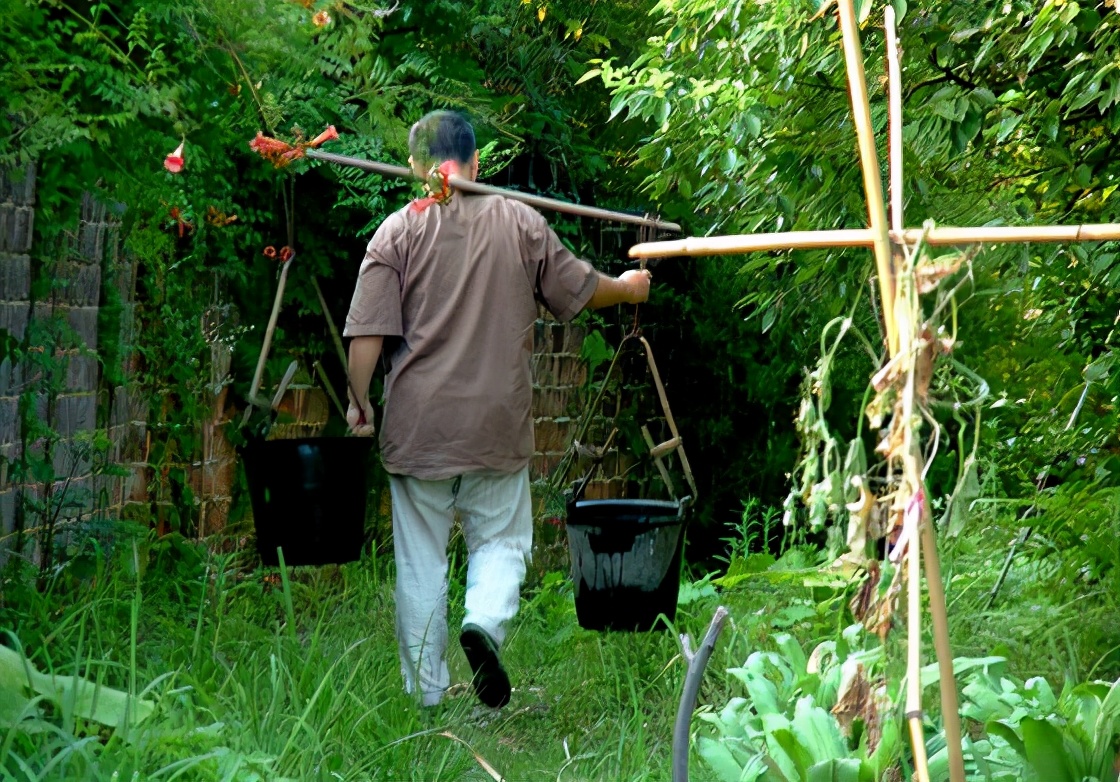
292,674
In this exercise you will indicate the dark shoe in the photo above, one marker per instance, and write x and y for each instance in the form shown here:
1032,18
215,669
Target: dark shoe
491,683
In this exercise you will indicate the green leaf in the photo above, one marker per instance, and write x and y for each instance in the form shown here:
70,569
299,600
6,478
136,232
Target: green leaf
1008,734
899,8
762,692
1046,751
864,10
835,770
719,759
754,126
817,731
13,686
591,74
88,700
1007,126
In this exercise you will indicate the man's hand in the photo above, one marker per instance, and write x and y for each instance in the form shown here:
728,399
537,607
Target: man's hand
637,280
630,287
361,420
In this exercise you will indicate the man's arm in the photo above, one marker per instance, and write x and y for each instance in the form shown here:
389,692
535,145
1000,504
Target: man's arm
364,352
630,287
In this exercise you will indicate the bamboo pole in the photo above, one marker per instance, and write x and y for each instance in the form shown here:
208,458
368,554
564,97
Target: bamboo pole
914,655
869,164
924,537
864,237
749,243
894,123
939,614
470,186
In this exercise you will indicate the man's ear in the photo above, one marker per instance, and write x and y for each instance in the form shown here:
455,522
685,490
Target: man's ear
474,166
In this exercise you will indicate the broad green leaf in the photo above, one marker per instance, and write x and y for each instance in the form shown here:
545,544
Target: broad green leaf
591,74
792,651
780,742
1046,752
13,687
836,770
762,692
817,731
864,10
719,759
88,700
1008,734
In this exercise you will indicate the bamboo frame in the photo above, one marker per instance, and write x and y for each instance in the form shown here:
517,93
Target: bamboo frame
478,188
939,236
894,122
869,165
923,540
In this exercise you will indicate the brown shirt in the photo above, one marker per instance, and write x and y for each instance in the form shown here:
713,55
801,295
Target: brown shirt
459,283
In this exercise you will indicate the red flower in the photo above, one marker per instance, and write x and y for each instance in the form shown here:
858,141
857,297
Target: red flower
321,19
281,153
327,135
444,194
270,148
270,252
174,161
286,254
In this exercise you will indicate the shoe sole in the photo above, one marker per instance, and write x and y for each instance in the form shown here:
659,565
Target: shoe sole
491,683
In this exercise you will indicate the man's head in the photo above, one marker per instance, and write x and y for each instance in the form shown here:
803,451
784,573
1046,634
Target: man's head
440,136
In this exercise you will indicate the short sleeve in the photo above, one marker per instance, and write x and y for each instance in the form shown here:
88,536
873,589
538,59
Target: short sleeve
375,309
562,282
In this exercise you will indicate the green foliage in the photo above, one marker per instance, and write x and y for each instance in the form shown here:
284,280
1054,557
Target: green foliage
1031,733
787,727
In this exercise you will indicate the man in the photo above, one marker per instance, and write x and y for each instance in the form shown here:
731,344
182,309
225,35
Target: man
449,286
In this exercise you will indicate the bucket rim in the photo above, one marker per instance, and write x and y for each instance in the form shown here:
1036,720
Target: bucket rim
359,442
629,502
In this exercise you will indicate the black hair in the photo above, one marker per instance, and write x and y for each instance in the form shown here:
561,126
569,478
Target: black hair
442,135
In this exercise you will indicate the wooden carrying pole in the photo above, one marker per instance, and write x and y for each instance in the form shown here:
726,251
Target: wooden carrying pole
470,186
939,236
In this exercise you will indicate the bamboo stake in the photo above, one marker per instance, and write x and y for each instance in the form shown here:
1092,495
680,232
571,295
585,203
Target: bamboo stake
894,123
910,496
939,613
923,536
914,656
864,237
869,163
470,186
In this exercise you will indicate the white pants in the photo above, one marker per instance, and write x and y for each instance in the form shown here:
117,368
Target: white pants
497,519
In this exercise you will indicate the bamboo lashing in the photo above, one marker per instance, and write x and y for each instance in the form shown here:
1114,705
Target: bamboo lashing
478,188
864,237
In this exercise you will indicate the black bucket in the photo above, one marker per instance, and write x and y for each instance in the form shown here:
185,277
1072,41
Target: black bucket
309,498
626,561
